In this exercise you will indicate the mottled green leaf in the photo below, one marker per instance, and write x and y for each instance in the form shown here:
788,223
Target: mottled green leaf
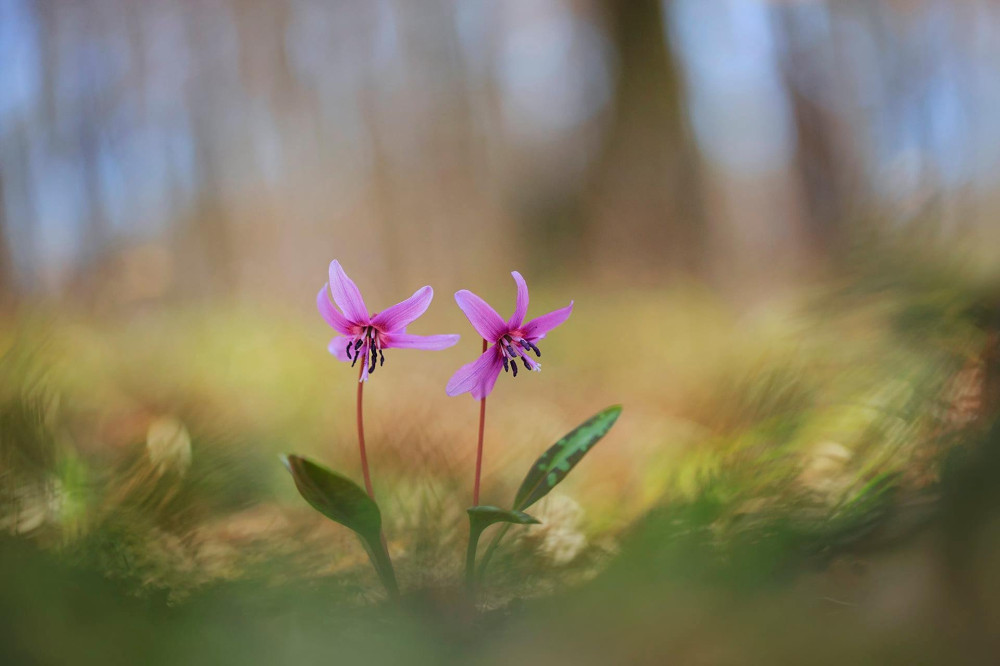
343,501
553,466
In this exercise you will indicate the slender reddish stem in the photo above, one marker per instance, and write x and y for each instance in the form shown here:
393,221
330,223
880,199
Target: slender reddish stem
364,456
361,432
479,448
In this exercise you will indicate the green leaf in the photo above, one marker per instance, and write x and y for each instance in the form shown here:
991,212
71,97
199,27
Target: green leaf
553,466
484,516
481,517
335,496
343,501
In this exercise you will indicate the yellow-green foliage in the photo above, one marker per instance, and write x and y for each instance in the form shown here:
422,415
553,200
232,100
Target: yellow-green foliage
793,404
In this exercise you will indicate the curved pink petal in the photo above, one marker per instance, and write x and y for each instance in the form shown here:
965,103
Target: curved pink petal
488,380
539,326
477,377
410,341
339,322
346,295
338,347
521,308
481,315
401,315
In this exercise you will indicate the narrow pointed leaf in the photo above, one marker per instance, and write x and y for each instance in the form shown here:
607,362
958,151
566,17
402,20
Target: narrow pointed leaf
553,465
343,501
482,517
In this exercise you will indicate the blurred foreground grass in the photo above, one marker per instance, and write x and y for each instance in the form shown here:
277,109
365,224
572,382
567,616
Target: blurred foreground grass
810,476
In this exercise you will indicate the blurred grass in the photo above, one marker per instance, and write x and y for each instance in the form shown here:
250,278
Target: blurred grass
759,450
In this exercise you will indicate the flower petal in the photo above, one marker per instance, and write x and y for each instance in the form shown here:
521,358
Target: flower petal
521,308
339,322
401,315
346,295
410,341
478,376
338,347
488,380
481,315
539,326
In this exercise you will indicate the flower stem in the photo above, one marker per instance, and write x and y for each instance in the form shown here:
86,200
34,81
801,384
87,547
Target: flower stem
470,563
484,561
385,564
479,448
361,435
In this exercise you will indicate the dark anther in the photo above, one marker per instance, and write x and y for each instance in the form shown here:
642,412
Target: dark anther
374,355
533,348
356,357
524,359
506,364
348,349
513,367
357,345
371,368
381,358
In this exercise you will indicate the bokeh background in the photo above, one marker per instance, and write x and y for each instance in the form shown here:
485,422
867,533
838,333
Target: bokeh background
233,147
777,221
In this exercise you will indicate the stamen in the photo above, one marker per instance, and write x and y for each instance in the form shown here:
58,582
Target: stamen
524,359
513,367
357,345
356,357
506,364
533,348
348,349
381,358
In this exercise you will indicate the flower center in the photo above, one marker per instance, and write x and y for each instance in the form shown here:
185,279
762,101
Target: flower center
512,348
369,340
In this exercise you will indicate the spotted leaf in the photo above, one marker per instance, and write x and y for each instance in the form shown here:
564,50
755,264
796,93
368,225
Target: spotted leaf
553,466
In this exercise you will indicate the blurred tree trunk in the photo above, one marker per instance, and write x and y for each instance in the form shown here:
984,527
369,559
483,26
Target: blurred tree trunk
7,289
820,142
96,223
819,176
205,252
18,209
645,189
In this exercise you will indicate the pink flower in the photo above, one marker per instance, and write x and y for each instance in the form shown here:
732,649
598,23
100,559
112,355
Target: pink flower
364,336
512,340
